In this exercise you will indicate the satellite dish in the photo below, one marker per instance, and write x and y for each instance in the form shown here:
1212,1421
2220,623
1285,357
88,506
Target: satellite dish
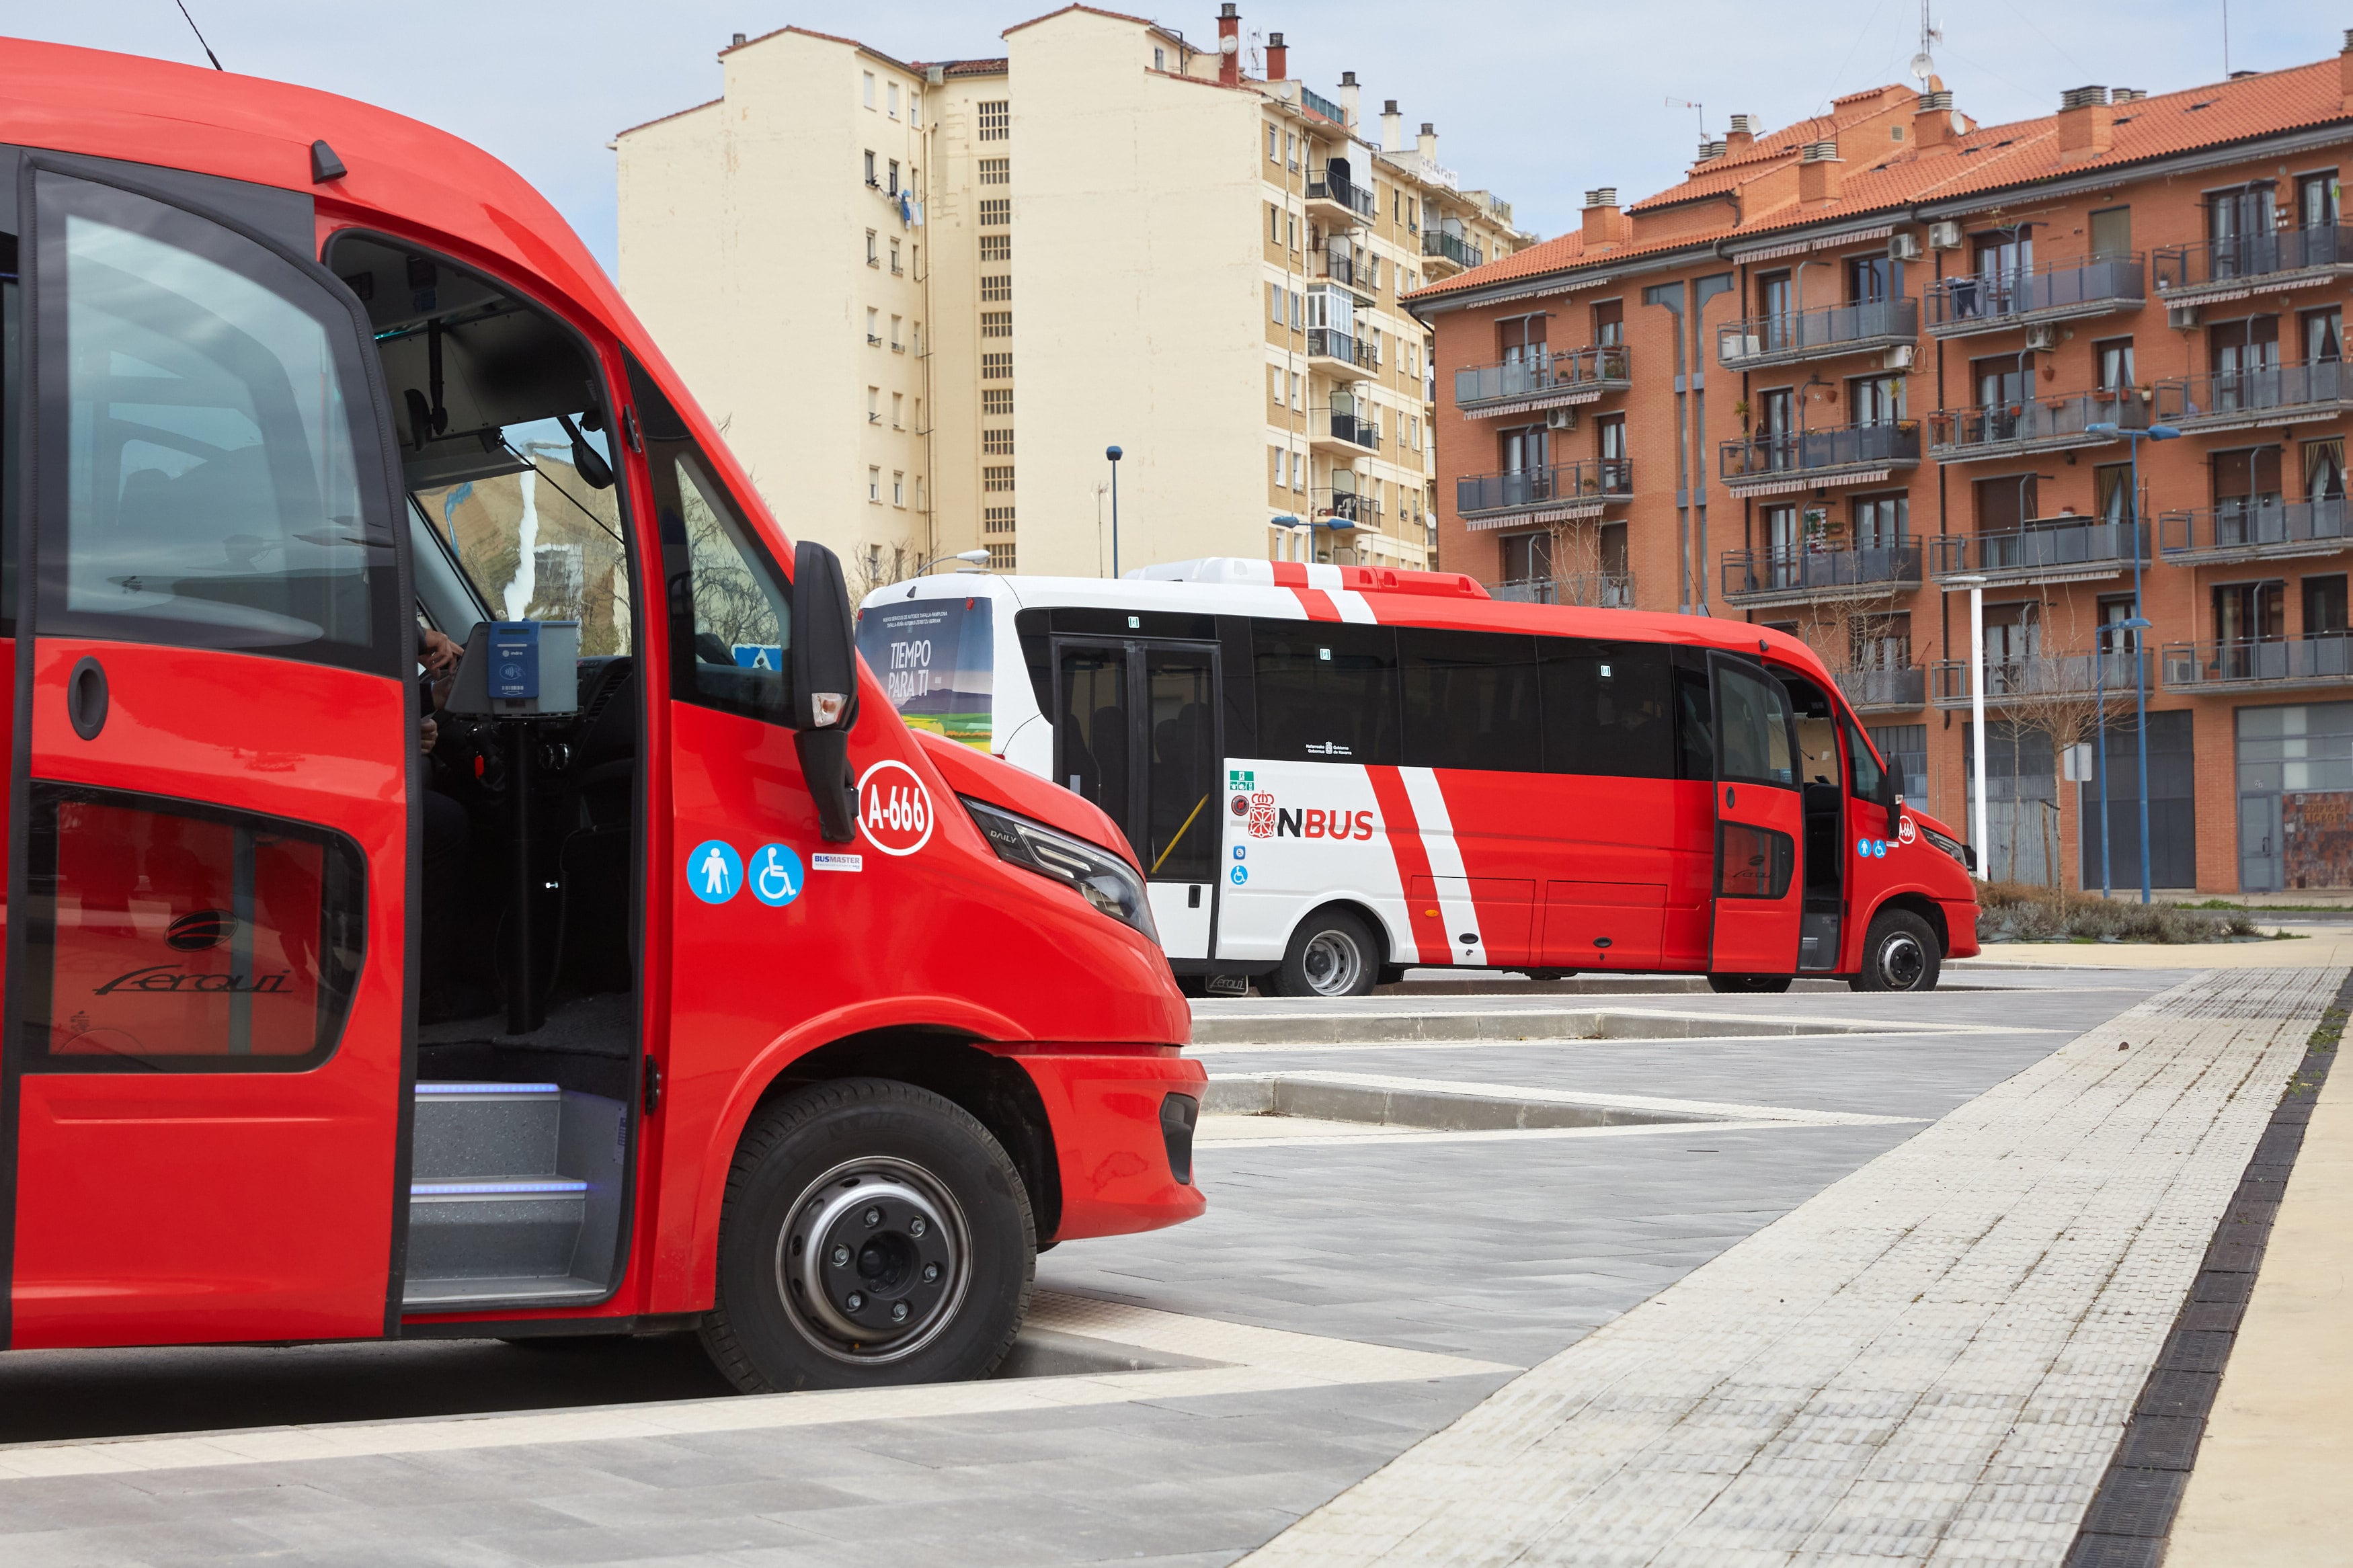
1960,126
1923,68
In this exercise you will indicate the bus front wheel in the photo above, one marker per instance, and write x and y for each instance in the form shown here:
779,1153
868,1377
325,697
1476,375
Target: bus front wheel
1899,954
1331,955
872,1233
1748,983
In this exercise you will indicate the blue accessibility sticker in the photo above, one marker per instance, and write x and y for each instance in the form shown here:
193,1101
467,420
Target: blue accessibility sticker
1241,875
1240,852
714,871
1863,849
776,875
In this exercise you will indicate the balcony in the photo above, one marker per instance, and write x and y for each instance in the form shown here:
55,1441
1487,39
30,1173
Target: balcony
2038,677
1342,435
1340,202
2262,528
1345,509
2055,292
2224,270
1825,333
1322,108
2047,549
1337,352
1765,463
1593,590
1884,690
1798,575
1444,254
1337,264
2034,425
1564,492
1545,380
2271,664
2269,395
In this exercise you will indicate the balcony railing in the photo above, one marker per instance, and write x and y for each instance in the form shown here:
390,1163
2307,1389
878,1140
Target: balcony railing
1339,265
1797,452
2235,399
1817,334
1357,198
1316,103
1357,432
1752,576
1884,690
2323,660
2033,425
1330,342
1519,489
1346,508
2057,291
1545,375
2048,549
2253,527
2040,677
2255,257
1440,246
1593,590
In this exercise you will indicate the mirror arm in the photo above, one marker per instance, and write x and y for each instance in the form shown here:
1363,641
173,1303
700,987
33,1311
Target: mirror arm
825,755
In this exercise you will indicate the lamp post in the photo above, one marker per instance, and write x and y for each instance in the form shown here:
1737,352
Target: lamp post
971,557
1114,454
1975,586
2140,664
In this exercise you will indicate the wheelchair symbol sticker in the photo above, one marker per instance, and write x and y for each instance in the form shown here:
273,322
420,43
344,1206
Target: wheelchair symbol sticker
1241,875
714,871
776,875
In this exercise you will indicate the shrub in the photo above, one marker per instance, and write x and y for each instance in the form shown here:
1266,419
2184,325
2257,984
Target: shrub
2022,911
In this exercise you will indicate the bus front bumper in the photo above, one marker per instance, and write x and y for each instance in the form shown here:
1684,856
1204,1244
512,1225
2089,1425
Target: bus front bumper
1122,1128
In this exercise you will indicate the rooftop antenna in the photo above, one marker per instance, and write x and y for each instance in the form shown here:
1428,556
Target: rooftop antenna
199,32
1698,108
1924,63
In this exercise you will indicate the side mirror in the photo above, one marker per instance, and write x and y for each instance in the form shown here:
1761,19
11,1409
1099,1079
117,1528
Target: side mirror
825,688
1895,804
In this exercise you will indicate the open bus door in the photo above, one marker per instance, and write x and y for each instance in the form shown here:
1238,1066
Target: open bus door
209,799
1759,816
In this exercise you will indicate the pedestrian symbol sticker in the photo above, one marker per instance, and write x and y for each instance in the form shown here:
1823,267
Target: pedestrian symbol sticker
714,872
776,875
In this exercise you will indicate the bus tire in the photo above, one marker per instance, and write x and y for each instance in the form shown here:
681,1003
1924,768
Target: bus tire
1899,954
924,1275
1331,955
1748,983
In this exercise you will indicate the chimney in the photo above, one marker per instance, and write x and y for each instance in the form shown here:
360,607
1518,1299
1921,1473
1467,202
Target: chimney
2345,70
1428,142
1603,223
1348,100
2086,122
1710,150
1278,58
1230,44
1392,128
738,42
1818,171
1932,121
1743,133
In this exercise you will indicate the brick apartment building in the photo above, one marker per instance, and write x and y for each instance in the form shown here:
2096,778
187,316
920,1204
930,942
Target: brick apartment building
1845,364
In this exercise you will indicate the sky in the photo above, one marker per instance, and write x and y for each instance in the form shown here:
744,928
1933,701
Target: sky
1534,100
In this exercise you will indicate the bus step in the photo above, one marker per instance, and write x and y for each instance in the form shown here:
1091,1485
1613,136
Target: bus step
503,1225
486,1129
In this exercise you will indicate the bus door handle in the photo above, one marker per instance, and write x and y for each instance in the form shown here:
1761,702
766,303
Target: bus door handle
86,700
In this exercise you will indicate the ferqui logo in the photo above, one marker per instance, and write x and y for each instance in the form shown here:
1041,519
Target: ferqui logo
199,930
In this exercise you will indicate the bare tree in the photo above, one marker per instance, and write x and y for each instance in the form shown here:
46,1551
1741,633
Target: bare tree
2065,700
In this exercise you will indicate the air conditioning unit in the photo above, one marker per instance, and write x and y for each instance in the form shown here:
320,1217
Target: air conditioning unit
2182,317
1944,235
1903,247
2042,340
1560,419
1898,357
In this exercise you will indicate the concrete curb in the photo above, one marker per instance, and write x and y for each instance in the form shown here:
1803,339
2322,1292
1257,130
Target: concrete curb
1356,1028
1444,1111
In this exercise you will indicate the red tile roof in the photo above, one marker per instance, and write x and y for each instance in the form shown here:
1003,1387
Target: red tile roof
1986,158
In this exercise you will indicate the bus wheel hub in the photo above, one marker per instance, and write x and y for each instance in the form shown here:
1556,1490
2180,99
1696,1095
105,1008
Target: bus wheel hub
873,1262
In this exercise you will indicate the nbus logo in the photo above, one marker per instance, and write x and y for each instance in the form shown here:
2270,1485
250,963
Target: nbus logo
1271,821
894,808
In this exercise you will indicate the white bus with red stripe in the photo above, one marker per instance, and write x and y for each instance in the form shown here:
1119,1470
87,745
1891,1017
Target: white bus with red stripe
1332,774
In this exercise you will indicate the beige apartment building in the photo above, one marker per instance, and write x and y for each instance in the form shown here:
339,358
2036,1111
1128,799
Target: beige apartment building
924,298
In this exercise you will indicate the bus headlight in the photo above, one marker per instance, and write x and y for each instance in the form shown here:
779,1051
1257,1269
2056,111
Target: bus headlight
1953,847
1102,877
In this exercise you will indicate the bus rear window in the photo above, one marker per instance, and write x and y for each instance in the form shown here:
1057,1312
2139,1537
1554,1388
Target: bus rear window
936,659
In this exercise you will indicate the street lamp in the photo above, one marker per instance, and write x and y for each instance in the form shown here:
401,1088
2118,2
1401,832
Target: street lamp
2136,626
1976,585
973,557
2140,663
1114,454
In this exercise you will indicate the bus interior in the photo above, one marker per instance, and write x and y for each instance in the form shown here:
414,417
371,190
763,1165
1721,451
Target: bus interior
518,1159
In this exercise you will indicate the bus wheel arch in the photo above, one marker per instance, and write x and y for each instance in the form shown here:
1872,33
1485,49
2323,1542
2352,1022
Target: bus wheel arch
1903,946
1340,937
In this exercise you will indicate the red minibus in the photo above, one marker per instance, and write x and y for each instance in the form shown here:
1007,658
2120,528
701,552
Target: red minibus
636,968
1333,772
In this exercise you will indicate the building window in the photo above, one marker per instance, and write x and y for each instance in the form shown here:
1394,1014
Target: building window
997,323
874,486
996,519
996,367
897,410
1274,303
1000,558
996,247
996,121
897,488
1609,323
2112,232
873,254
997,481
997,170
996,287
1296,400
1274,385
870,169
1272,154
1273,223
914,109
893,187
870,88
997,442
896,345
1159,58
997,401
891,92
996,211
873,321
874,405
895,268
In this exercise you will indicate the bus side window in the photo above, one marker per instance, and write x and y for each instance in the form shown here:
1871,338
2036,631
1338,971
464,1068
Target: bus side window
1862,769
8,395
1694,726
1753,712
1326,692
1470,700
1606,709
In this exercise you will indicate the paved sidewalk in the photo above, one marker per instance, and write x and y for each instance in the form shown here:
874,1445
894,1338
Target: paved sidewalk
2316,944
1931,1361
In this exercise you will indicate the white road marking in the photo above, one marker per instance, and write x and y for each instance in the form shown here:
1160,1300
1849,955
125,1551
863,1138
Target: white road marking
1696,1108
1701,1129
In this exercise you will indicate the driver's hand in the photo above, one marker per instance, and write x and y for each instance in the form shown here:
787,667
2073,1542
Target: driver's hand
427,734
436,653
